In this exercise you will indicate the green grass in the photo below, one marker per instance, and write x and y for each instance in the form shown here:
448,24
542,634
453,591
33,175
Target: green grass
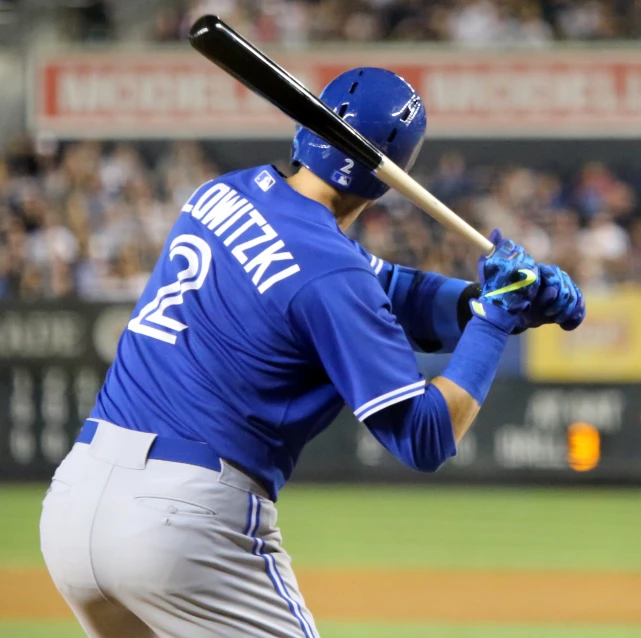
19,534
463,528
384,527
346,630
353,630
335,630
47,629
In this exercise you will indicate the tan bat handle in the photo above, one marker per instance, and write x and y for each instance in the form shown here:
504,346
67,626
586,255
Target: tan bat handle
395,177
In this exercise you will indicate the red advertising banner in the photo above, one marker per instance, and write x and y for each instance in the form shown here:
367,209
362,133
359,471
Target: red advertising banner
175,93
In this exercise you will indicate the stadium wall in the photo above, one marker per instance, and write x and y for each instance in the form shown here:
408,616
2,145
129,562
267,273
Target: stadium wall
565,407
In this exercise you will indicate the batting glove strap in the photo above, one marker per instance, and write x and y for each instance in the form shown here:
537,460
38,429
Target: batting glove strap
493,314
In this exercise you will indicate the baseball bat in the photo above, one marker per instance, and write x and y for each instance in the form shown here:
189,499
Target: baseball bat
220,44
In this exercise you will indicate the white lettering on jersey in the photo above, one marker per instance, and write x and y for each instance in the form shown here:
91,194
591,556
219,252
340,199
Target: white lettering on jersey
239,251
255,219
222,210
262,261
233,219
211,196
151,321
283,274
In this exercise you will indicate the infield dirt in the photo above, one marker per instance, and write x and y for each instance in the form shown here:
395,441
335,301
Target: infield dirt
437,596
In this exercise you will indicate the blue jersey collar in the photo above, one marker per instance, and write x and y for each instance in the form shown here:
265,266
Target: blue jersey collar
321,213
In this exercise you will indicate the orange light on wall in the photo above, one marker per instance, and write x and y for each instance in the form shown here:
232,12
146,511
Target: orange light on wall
584,447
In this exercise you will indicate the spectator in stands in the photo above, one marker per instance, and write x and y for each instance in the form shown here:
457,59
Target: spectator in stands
125,279
167,25
606,242
294,22
475,23
588,20
89,20
67,220
531,29
451,180
634,272
466,22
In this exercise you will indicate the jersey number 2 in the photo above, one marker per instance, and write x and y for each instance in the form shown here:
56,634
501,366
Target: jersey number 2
198,255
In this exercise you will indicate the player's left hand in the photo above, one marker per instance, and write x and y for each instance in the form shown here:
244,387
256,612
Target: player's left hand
558,300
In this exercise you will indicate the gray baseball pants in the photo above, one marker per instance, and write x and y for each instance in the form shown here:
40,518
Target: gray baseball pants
140,547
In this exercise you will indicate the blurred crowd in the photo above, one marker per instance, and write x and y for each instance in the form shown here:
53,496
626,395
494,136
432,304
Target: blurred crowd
588,222
465,22
89,219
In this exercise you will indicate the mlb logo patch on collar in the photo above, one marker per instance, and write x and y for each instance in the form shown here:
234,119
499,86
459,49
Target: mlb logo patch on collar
264,181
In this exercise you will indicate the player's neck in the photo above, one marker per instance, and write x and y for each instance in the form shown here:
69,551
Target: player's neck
346,208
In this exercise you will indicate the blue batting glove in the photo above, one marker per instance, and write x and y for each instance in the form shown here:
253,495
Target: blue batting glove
509,283
559,300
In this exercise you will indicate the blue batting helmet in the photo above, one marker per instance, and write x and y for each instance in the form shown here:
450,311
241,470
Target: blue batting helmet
385,109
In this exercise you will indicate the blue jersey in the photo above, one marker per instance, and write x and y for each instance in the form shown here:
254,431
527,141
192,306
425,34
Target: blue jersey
260,321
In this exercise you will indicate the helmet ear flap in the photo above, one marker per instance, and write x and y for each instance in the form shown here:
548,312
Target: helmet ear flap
295,148
301,147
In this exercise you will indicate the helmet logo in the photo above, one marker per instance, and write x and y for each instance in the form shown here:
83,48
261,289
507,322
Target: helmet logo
340,178
411,109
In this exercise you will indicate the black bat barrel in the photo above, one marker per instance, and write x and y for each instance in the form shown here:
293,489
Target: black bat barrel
219,43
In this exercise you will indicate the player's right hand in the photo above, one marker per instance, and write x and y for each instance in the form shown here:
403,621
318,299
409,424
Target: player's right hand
559,301
509,280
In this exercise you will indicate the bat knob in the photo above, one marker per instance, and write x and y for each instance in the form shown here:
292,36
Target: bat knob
204,24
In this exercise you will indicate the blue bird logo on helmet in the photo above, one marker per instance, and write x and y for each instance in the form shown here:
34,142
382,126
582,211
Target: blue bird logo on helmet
385,109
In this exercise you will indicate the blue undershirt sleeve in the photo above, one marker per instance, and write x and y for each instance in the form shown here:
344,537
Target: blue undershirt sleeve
432,309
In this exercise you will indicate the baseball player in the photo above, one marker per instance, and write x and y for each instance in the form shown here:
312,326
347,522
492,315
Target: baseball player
259,323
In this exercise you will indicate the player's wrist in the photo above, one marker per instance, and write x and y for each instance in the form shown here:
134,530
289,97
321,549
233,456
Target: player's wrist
463,311
476,359
497,316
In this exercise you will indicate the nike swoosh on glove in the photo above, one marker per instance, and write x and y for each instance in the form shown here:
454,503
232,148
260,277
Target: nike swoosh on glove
509,276
559,300
509,283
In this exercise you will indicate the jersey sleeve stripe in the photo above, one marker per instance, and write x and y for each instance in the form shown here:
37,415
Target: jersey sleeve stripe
386,404
379,266
389,395
373,261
